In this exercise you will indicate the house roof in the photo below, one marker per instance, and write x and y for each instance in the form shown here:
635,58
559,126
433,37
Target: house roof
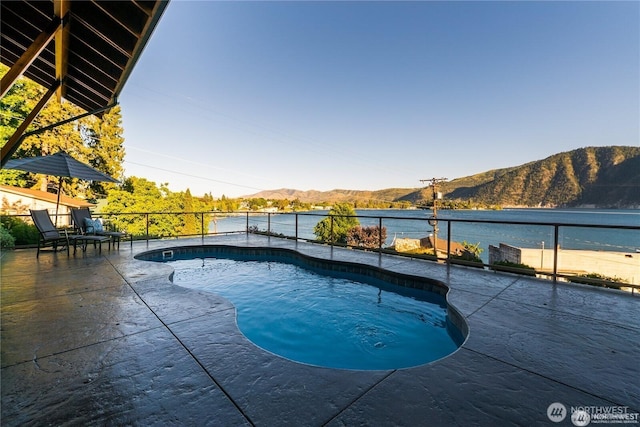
90,47
47,197
455,248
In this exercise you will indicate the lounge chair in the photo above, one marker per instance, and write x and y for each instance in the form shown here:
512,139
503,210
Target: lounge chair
49,234
87,226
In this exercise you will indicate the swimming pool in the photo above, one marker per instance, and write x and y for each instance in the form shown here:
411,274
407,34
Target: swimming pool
341,318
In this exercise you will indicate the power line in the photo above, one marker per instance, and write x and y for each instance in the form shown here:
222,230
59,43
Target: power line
267,132
173,157
194,176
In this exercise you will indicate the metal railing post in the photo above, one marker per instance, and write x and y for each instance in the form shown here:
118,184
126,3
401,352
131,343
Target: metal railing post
380,234
555,252
268,223
247,228
147,226
296,227
202,225
331,231
448,242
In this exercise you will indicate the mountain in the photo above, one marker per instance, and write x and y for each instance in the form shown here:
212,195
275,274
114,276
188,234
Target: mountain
603,177
333,196
592,176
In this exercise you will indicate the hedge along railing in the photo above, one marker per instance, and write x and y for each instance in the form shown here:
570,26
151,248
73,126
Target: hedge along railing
299,226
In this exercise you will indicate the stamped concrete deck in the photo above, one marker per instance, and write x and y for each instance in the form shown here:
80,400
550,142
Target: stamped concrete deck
104,339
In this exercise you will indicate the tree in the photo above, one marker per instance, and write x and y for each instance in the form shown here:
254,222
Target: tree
190,223
334,228
138,196
228,205
17,104
297,205
140,203
257,203
106,152
281,204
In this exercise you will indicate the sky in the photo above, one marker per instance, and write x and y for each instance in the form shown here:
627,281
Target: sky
231,98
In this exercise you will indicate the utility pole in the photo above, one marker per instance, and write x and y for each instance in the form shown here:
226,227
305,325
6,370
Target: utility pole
433,219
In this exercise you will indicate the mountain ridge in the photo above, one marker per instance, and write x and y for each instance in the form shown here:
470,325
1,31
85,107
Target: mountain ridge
600,177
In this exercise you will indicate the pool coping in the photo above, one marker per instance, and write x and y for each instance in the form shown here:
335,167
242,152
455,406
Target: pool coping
530,344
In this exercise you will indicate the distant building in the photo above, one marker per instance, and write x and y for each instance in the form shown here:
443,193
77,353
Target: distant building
407,244
455,248
18,201
271,209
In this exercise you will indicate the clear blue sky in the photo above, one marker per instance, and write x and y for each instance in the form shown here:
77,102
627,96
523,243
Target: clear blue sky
236,97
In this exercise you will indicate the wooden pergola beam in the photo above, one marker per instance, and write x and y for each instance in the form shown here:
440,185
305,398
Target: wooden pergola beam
57,29
61,10
17,138
30,55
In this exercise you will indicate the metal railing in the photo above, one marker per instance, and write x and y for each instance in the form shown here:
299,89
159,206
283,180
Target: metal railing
601,260
601,263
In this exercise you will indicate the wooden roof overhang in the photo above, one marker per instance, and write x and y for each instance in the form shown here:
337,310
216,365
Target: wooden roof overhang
80,50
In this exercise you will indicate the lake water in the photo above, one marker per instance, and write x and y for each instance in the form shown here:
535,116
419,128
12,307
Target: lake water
413,224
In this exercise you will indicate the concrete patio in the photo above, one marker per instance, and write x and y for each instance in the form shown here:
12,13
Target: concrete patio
104,339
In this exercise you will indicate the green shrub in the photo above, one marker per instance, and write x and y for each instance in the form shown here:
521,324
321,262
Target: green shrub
595,278
23,233
7,241
468,257
366,237
513,267
420,253
473,251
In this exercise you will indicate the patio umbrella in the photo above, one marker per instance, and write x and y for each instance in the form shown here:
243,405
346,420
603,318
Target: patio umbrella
62,165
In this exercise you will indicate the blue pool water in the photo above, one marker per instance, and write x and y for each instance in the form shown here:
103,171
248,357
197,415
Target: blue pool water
326,321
